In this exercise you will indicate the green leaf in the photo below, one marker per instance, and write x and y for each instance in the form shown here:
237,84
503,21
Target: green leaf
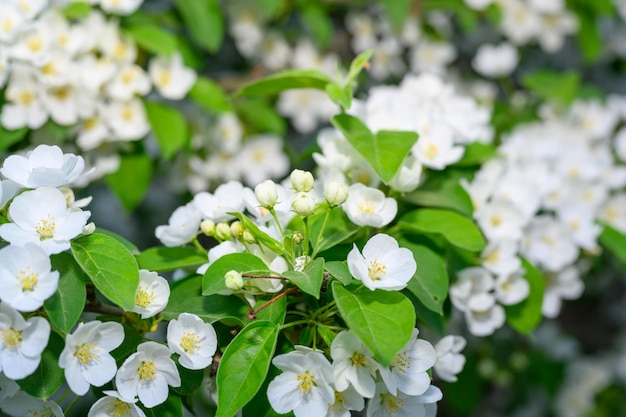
186,297
190,380
169,127
525,316
358,63
274,312
397,12
172,407
340,271
588,37
213,280
614,242
476,153
66,304
272,244
205,22
450,195
285,80
339,95
111,267
430,282
309,281
132,339
318,23
550,85
384,151
244,365
48,377
210,96
127,243
338,228
131,193
262,116
76,10
373,314
455,228
10,137
161,259
153,39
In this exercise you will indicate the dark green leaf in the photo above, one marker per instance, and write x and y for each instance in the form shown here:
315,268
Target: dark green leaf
205,22
340,271
244,365
172,407
111,267
430,282
451,195
169,127
262,116
525,316
190,380
285,80
371,315
550,85
132,339
10,137
588,37
153,39
161,259
131,193
309,281
397,11
213,280
210,96
274,312
614,242
66,304
48,377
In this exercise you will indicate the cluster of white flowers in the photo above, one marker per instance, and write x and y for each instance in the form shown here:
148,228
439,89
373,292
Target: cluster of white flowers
541,200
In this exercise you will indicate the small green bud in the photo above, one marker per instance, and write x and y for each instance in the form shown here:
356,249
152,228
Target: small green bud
208,227
234,280
301,181
236,228
303,205
297,237
266,193
222,231
248,238
336,193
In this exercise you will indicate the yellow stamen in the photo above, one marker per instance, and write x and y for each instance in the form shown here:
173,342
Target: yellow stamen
86,353
376,270
45,228
358,359
147,371
164,78
28,279
401,362
144,297
306,381
118,408
393,403
366,207
189,342
11,338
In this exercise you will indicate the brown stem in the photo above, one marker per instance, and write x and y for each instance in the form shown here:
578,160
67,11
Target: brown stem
252,314
98,307
261,276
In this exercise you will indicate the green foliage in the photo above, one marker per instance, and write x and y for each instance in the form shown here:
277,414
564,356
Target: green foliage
525,316
384,151
272,244
205,22
153,39
549,85
339,270
210,96
127,243
338,228
318,23
371,315
275,312
213,280
169,127
261,116
285,80
48,377
76,10
161,258
244,365
131,193
309,281
66,304
446,194
172,407
110,266
457,229
614,242
476,154
11,137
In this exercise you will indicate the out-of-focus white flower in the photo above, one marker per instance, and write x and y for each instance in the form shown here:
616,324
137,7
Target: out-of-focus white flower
22,342
23,107
8,189
478,4
146,374
431,56
500,220
470,281
182,227
260,157
228,132
86,358
386,404
304,387
407,372
41,216
614,212
112,405
367,206
45,166
130,80
436,149
123,7
560,285
22,404
227,197
450,360
152,294
171,77
353,364
127,119
306,107
512,288
496,60
500,257
193,339
26,280
483,315
549,244
383,264
11,21
345,401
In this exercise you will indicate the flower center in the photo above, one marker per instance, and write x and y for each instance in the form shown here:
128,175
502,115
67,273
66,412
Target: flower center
189,342
147,371
366,207
11,338
86,353
25,97
337,407
144,297
28,279
164,78
258,155
358,359
376,270
34,43
7,25
401,362
392,402
492,256
127,113
45,228
431,151
306,381
118,408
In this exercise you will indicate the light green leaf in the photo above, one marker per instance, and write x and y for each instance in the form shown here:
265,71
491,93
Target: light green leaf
358,63
161,258
430,282
285,80
131,193
153,39
339,95
309,281
340,271
111,267
205,22
614,242
525,316
457,229
384,151
476,153
169,127
213,280
210,96
338,228
66,304
48,377
261,116
76,10
397,11
318,23
450,195
127,243
550,85
244,365
186,297
273,245
588,37
372,315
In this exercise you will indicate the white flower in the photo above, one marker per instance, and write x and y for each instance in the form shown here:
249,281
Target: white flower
304,386
512,288
407,371
500,257
386,404
383,264
171,77
470,281
23,405
113,405
266,193
26,280
227,197
483,315
23,106
45,166
8,387
262,156
152,294
335,193
123,7
562,285
301,181
345,401
450,361
303,204
182,227
500,220
86,357
306,107
408,177
11,21
41,216
21,342
193,339
367,206
127,119
353,364
147,374
496,60
130,80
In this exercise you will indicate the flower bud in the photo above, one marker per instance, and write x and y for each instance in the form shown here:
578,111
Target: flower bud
303,204
248,237
222,231
266,193
336,193
301,181
234,280
236,228
89,228
297,237
208,227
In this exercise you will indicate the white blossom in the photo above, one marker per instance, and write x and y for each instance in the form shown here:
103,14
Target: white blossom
193,339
